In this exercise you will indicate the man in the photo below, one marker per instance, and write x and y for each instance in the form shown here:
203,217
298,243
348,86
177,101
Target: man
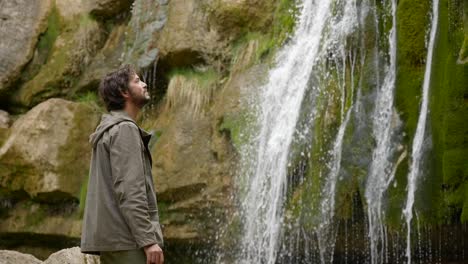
121,221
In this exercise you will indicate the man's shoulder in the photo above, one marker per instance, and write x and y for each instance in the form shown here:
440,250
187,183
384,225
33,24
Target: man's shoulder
126,127
125,124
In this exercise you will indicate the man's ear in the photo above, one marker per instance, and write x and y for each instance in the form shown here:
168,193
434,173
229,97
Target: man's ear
125,94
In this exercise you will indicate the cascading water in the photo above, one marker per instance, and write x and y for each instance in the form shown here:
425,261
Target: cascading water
417,149
280,106
337,72
319,41
381,170
344,23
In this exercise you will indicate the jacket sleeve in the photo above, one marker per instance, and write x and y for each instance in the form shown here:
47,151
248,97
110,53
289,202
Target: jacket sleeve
130,183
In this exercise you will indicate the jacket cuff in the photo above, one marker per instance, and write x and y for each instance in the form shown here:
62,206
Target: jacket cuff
147,242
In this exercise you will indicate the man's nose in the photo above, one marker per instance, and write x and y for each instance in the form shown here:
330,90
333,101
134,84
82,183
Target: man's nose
144,85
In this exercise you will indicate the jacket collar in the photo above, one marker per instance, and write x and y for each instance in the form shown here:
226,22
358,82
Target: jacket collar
145,135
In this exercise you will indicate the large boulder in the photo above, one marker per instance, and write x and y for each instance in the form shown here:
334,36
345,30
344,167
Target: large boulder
71,256
14,257
21,24
47,152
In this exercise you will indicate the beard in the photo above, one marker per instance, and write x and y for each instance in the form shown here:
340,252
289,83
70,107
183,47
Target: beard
138,99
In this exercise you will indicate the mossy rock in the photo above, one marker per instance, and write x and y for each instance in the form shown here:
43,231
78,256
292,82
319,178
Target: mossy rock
66,48
54,169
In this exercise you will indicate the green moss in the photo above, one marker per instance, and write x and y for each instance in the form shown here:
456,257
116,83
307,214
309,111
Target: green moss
47,40
15,174
56,75
74,171
236,124
163,211
44,45
206,79
264,45
275,34
83,192
449,110
412,25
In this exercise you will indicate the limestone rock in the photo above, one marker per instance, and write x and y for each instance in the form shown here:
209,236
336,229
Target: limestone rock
71,256
72,51
107,59
42,219
4,119
21,23
108,8
187,37
233,15
68,9
47,152
14,257
148,18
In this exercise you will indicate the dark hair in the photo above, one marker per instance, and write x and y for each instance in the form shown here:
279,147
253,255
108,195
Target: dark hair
113,84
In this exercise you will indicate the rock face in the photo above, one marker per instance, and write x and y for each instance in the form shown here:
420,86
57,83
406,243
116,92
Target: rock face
40,155
21,22
187,35
72,50
108,8
14,257
4,119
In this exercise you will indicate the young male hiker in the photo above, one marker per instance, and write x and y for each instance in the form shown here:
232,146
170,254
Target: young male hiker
121,221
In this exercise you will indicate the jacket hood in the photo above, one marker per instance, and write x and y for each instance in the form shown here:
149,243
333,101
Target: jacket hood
110,119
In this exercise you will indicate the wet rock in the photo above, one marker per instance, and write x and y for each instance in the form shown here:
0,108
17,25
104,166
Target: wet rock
148,18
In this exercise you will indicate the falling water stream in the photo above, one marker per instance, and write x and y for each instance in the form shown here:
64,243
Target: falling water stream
417,149
325,65
380,171
279,111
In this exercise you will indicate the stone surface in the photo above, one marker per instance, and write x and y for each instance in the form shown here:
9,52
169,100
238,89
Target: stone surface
105,61
4,119
71,256
21,23
14,257
72,51
148,18
41,153
108,8
42,219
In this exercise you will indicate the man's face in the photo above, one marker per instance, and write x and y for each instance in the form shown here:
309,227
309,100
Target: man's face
138,91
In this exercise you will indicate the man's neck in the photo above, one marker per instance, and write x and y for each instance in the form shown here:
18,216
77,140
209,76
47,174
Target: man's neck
132,111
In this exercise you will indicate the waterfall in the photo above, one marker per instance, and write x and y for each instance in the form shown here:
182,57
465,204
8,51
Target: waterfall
417,149
319,46
380,172
279,111
341,28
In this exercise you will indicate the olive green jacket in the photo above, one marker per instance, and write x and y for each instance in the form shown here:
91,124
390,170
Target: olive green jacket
121,211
